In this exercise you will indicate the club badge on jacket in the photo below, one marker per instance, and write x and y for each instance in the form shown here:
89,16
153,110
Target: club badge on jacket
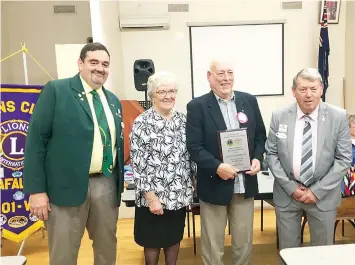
118,113
282,132
242,117
80,96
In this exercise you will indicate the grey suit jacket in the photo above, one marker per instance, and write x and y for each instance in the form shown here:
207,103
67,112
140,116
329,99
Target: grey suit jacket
333,158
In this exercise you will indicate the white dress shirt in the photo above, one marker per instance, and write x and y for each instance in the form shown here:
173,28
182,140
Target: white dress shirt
97,148
298,139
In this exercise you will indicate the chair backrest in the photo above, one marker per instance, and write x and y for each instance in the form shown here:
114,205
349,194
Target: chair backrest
346,210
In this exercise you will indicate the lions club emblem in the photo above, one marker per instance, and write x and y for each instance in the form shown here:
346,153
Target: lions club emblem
13,137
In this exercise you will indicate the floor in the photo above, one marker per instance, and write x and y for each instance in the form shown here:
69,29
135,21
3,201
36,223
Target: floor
129,253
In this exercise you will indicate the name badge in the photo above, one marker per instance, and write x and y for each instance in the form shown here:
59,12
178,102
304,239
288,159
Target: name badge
281,135
283,128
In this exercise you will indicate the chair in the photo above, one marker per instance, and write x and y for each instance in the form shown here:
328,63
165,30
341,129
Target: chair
345,212
195,210
188,220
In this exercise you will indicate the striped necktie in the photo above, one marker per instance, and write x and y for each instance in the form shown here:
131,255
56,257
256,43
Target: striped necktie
307,158
107,160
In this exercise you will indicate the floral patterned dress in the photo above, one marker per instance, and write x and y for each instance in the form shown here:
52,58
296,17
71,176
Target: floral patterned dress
160,160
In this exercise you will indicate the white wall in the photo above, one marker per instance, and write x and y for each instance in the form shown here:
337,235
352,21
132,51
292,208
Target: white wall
170,49
350,57
112,39
35,24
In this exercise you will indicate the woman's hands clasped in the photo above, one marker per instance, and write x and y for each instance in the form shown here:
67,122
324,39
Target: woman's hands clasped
154,204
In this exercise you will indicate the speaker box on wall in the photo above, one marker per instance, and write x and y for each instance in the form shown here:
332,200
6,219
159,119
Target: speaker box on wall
142,69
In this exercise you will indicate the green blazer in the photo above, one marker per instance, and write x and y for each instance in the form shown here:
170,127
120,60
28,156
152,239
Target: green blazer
59,143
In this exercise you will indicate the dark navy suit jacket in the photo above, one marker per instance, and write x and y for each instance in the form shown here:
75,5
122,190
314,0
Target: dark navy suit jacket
204,119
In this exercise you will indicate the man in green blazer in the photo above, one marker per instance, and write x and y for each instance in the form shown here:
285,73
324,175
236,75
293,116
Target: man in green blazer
74,160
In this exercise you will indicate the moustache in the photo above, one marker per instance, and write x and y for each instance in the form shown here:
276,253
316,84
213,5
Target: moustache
97,72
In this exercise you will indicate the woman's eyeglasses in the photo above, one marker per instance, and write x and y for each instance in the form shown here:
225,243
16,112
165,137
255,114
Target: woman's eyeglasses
163,93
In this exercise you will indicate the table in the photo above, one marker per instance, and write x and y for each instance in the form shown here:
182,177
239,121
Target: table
266,187
319,255
13,260
266,183
128,197
265,180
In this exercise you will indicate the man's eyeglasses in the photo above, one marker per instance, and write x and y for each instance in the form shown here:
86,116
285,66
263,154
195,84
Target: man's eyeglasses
163,93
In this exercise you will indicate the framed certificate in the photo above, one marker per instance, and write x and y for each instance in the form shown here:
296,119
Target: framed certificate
234,149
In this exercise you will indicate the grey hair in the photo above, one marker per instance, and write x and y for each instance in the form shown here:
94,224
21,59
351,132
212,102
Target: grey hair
351,120
310,74
218,61
161,78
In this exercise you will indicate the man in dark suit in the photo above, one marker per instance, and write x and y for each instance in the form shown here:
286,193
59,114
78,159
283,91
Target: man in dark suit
224,192
74,160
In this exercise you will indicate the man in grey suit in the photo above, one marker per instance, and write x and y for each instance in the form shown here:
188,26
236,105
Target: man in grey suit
308,152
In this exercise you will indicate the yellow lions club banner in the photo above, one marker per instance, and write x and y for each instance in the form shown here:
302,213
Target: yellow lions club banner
17,105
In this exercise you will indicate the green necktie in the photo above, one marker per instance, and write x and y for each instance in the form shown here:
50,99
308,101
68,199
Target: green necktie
107,160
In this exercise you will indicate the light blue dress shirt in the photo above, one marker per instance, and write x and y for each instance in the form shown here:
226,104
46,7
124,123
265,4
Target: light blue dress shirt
229,112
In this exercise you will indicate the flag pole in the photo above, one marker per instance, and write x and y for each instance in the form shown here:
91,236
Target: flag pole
24,57
324,50
24,50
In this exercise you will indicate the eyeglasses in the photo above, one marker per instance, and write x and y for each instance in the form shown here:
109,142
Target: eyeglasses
163,93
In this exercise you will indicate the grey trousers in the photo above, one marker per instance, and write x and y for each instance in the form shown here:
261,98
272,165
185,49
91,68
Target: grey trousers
98,214
289,218
240,213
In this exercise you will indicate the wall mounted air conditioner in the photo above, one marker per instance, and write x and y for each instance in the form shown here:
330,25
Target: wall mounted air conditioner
144,22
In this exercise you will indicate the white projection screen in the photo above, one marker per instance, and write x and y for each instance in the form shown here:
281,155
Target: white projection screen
256,52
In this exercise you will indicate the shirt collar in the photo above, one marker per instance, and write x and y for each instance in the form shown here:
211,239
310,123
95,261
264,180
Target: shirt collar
156,114
313,115
219,99
87,88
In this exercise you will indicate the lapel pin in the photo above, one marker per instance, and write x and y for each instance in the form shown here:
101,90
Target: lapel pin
242,117
118,113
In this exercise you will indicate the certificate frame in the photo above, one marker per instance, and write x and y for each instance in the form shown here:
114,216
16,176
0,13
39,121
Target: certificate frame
235,142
